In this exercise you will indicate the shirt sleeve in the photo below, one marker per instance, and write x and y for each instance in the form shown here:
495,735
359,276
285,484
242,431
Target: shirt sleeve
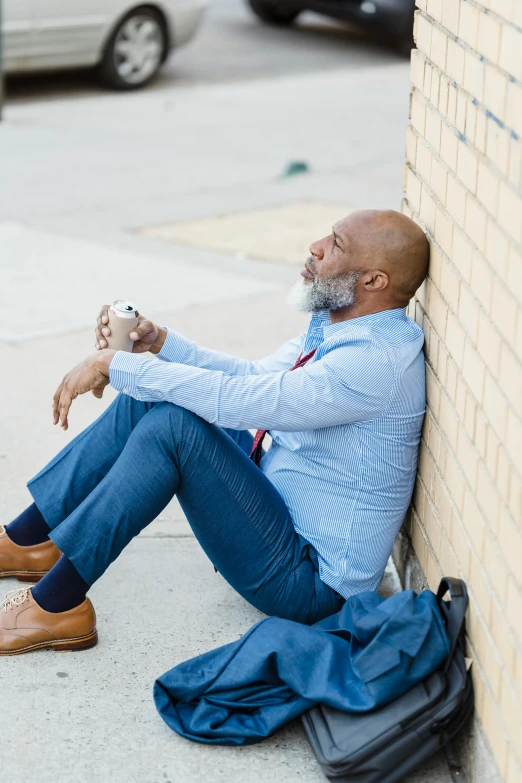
349,384
179,350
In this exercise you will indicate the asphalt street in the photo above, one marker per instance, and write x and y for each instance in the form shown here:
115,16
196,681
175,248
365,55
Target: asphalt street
233,45
86,178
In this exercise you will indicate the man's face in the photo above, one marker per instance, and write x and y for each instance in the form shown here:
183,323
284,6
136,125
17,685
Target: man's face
330,278
333,255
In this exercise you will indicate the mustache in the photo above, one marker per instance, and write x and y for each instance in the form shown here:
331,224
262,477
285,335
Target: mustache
311,263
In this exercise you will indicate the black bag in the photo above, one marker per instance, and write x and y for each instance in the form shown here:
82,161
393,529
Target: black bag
386,744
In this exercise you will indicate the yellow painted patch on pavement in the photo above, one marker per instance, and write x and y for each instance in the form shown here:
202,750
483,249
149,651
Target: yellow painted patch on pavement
276,234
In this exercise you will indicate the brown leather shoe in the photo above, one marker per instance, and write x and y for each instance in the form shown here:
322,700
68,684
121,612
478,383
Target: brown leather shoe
28,563
25,626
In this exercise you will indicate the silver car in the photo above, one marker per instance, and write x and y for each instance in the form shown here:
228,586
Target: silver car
126,42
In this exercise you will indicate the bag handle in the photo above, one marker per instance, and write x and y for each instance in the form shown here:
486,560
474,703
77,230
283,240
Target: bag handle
454,611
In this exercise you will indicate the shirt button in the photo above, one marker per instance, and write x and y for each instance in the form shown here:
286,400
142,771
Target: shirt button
125,391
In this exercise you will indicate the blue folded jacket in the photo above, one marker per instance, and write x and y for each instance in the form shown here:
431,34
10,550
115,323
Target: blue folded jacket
369,653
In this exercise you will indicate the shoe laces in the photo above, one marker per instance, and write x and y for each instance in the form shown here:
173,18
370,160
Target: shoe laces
15,598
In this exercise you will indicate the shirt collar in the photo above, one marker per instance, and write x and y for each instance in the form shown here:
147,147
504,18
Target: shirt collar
322,319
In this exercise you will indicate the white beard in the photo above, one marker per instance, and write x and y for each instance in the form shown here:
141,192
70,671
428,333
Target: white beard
331,293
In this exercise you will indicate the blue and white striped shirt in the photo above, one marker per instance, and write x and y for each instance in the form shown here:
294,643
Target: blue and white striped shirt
345,427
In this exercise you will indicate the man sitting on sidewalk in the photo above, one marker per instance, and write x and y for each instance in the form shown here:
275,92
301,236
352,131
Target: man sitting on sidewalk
295,530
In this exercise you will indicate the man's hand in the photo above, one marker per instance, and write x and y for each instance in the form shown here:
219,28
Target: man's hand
90,375
146,336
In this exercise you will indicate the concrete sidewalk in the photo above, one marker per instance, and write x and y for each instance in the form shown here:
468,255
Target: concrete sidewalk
76,204
89,716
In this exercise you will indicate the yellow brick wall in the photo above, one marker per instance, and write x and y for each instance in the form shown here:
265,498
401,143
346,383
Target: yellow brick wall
463,183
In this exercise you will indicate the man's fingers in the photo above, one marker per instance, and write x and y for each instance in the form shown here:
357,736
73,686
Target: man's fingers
101,330
64,406
56,403
103,317
145,327
100,333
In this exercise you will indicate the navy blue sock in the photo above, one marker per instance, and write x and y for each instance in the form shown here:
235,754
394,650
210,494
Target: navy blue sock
29,528
61,589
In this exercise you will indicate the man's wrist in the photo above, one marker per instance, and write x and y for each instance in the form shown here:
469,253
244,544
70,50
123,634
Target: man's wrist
104,359
158,345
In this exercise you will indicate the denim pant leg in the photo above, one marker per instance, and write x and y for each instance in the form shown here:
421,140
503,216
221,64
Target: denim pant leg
237,515
243,438
78,468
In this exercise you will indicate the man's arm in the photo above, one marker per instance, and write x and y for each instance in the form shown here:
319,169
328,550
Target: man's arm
352,383
170,346
178,349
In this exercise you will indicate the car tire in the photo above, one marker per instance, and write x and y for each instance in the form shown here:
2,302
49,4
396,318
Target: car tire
271,12
135,51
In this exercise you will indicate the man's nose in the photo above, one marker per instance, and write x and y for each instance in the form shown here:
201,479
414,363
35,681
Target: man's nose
317,249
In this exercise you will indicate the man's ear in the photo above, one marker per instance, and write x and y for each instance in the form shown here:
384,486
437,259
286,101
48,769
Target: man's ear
375,280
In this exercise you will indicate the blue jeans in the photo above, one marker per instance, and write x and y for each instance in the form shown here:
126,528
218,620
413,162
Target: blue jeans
114,479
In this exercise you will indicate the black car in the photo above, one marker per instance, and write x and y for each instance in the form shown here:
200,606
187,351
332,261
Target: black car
389,19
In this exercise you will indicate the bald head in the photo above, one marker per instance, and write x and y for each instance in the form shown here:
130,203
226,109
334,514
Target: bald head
380,256
392,242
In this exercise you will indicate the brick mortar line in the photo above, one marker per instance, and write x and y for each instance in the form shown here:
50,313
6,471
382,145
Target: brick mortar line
482,108
443,436
479,7
496,705
479,155
472,647
479,405
490,638
461,421
443,527
464,44
443,342
459,373
465,140
457,271
448,215
463,530
496,701
463,280
452,503
421,524
493,14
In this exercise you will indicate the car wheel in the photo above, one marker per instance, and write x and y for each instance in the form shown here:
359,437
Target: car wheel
272,12
135,51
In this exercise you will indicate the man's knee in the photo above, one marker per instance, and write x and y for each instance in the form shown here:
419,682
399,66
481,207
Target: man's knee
125,404
170,418
175,427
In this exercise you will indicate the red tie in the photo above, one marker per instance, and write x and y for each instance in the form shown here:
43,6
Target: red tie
257,446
